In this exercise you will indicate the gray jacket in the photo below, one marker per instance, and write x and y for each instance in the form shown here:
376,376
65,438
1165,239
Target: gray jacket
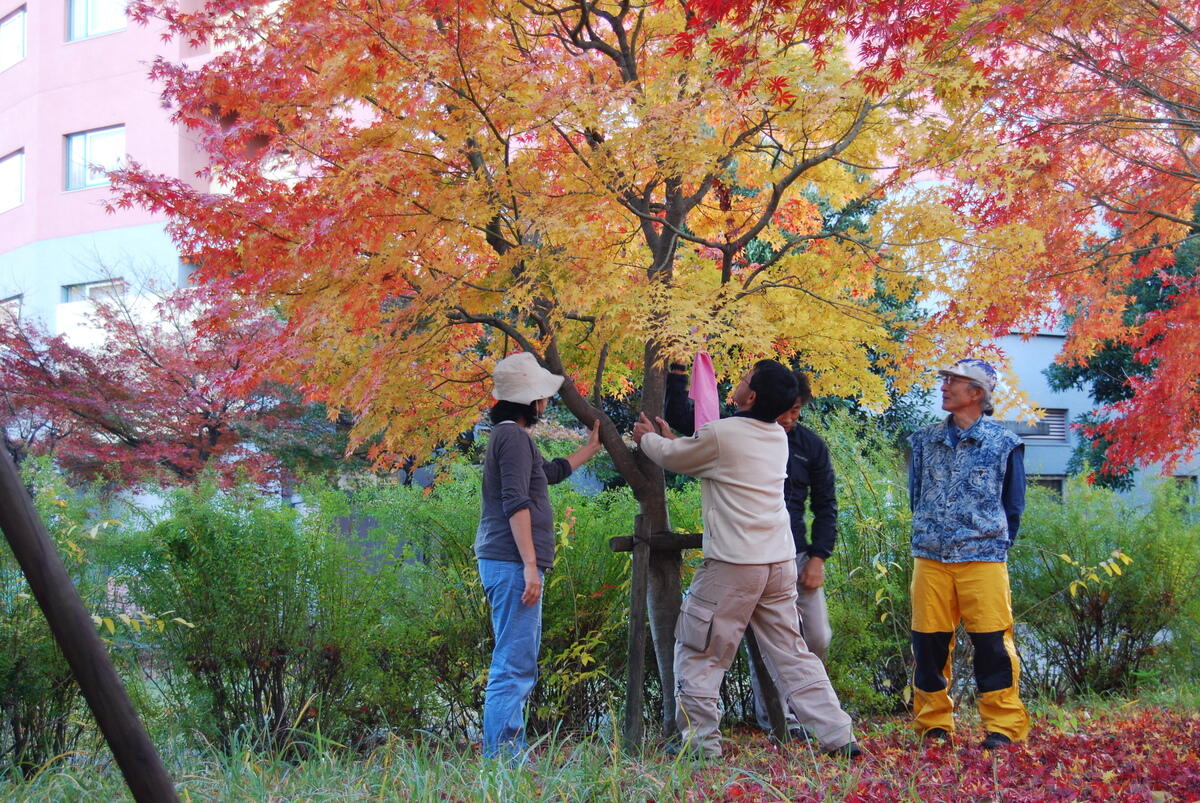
515,476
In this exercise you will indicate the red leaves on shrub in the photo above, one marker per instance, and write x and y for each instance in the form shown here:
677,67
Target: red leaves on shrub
1144,754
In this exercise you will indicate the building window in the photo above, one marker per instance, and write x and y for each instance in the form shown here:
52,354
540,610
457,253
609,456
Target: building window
91,154
1050,428
1187,484
12,38
10,307
12,180
94,291
93,17
187,272
1054,482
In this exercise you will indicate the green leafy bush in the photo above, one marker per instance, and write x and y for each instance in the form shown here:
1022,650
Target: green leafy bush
868,576
1090,620
433,647
279,611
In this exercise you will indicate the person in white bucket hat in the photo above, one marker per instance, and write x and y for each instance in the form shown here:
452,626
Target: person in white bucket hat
514,542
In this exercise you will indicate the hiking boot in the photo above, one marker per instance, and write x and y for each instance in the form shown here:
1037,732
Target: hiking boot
688,752
849,750
935,736
996,740
798,734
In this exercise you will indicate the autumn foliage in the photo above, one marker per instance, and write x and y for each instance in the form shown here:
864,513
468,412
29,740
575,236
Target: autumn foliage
154,398
420,187
1093,110
1101,103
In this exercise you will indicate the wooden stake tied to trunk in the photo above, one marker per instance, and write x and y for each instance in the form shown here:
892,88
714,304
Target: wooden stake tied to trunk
642,544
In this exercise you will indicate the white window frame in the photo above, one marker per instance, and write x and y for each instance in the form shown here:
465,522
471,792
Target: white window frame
12,305
14,161
83,21
14,24
80,174
1055,483
94,291
1052,427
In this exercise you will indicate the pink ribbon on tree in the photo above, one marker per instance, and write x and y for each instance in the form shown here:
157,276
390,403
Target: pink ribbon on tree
706,406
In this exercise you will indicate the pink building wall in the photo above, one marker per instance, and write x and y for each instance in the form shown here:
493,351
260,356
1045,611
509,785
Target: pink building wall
66,87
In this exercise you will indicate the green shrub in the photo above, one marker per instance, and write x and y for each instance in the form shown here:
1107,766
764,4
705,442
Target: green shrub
432,652
1089,620
279,613
425,655
42,713
868,576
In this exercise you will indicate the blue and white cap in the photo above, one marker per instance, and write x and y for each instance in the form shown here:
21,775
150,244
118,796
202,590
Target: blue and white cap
974,370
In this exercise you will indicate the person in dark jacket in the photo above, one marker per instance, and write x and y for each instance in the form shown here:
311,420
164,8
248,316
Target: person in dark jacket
810,481
514,542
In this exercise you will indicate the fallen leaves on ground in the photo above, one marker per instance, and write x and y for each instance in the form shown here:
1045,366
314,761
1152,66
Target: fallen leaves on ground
1135,754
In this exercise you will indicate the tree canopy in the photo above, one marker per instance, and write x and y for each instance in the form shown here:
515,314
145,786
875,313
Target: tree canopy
1102,101
420,187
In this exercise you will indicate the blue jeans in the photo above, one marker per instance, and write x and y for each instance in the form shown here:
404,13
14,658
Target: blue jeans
518,630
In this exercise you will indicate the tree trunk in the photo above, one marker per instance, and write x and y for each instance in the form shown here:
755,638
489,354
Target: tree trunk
662,584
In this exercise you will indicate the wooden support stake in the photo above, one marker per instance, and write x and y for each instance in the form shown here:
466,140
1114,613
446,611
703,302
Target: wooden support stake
76,635
770,692
635,695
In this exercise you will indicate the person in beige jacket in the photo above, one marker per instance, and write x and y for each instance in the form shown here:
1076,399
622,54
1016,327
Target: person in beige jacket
748,576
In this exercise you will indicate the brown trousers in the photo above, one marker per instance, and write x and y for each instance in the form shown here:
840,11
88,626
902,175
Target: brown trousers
723,599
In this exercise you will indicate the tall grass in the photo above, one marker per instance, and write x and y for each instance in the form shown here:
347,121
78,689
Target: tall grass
578,768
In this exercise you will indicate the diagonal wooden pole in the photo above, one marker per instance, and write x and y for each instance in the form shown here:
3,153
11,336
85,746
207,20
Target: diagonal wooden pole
76,635
766,684
635,693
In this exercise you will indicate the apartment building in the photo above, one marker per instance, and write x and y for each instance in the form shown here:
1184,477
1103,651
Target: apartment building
75,101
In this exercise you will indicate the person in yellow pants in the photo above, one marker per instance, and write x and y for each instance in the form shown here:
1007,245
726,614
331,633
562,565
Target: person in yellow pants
967,491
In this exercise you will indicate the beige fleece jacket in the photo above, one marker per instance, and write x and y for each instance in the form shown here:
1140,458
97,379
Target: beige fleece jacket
742,464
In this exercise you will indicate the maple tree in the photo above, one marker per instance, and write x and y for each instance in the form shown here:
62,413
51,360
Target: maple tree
1106,374
417,188
154,399
1095,108
1100,101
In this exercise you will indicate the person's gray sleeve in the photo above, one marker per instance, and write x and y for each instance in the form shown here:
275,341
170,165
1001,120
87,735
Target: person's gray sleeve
514,461
557,469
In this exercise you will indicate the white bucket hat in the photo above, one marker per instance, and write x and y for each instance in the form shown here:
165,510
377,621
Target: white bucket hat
519,378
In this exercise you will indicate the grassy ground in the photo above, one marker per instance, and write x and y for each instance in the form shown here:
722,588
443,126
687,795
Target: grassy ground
1145,750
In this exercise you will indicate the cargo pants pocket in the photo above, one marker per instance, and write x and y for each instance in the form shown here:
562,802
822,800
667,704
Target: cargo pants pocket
694,626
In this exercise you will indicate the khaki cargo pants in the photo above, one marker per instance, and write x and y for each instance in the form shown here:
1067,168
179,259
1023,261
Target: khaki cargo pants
723,599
